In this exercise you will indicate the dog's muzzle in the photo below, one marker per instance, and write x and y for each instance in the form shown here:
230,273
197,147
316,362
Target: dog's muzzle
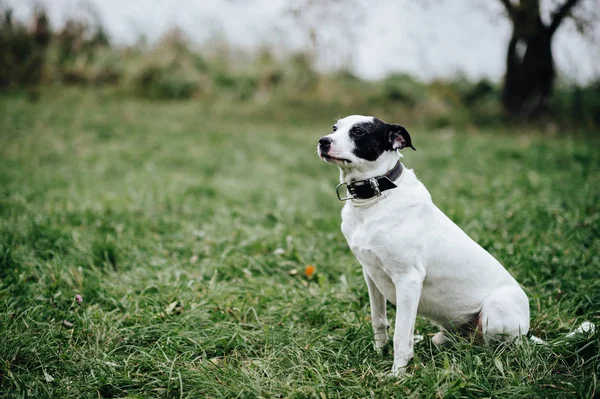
325,144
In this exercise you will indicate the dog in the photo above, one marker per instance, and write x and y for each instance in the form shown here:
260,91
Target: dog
411,253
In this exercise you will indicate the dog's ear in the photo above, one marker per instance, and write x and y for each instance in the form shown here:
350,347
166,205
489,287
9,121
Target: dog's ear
398,137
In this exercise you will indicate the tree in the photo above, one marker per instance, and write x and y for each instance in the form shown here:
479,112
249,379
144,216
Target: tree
529,63
530,70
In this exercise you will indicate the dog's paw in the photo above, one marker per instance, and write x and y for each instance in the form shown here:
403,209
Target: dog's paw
380,344
440,339
399,368
383,347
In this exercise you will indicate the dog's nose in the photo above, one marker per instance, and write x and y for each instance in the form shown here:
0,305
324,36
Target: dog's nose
325,141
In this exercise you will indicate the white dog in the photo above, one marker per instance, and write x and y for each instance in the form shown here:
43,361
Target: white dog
412,254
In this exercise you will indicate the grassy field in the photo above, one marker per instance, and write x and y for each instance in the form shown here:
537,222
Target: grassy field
187,228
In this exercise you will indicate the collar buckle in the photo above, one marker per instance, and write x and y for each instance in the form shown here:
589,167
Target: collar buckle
375,186
337,191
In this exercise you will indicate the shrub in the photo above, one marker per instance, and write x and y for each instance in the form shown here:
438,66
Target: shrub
403,88
577,103
23,51
166,82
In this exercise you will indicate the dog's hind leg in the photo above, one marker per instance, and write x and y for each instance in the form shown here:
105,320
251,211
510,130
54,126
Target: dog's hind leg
504,315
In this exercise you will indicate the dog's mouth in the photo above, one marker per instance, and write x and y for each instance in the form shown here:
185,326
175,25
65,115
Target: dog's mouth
329,158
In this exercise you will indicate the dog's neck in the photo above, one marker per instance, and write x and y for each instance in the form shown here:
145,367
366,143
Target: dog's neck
384,164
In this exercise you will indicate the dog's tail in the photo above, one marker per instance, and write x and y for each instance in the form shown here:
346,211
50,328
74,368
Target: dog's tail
585,328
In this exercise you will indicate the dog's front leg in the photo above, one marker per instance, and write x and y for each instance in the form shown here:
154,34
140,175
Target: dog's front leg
378,313
408,293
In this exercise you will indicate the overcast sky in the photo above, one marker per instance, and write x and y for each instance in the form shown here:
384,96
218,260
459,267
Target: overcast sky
429,39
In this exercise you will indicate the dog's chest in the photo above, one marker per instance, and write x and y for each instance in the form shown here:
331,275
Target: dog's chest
366,254
367,242
365,234
369,229
359,233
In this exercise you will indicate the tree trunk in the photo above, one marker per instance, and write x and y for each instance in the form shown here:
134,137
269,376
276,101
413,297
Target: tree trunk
529,74
529,64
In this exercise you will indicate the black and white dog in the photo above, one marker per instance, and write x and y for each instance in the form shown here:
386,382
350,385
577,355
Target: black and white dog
412,254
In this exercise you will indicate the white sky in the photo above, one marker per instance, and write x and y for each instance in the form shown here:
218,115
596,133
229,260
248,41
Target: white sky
429,39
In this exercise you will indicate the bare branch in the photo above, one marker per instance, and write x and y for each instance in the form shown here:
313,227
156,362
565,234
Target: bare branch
560,13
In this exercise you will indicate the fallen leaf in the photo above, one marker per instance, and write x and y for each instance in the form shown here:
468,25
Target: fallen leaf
499,365
48,377
174,308
309,271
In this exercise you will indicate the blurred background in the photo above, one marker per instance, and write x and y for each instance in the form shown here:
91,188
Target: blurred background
434,63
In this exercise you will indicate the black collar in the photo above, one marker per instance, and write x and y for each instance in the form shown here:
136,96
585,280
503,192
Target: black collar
373,187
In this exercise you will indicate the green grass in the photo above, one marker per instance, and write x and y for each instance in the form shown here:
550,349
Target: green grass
179,224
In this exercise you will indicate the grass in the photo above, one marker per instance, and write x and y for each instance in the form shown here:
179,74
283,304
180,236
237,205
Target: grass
181,224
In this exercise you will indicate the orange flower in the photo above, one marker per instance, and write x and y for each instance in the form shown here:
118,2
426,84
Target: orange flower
309,271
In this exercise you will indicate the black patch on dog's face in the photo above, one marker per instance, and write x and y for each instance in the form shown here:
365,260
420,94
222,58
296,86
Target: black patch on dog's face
370,139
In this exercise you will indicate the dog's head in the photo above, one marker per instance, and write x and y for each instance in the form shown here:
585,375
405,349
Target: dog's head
362,142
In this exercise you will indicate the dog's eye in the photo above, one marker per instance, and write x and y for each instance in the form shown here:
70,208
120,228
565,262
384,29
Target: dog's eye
334,128
359,132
